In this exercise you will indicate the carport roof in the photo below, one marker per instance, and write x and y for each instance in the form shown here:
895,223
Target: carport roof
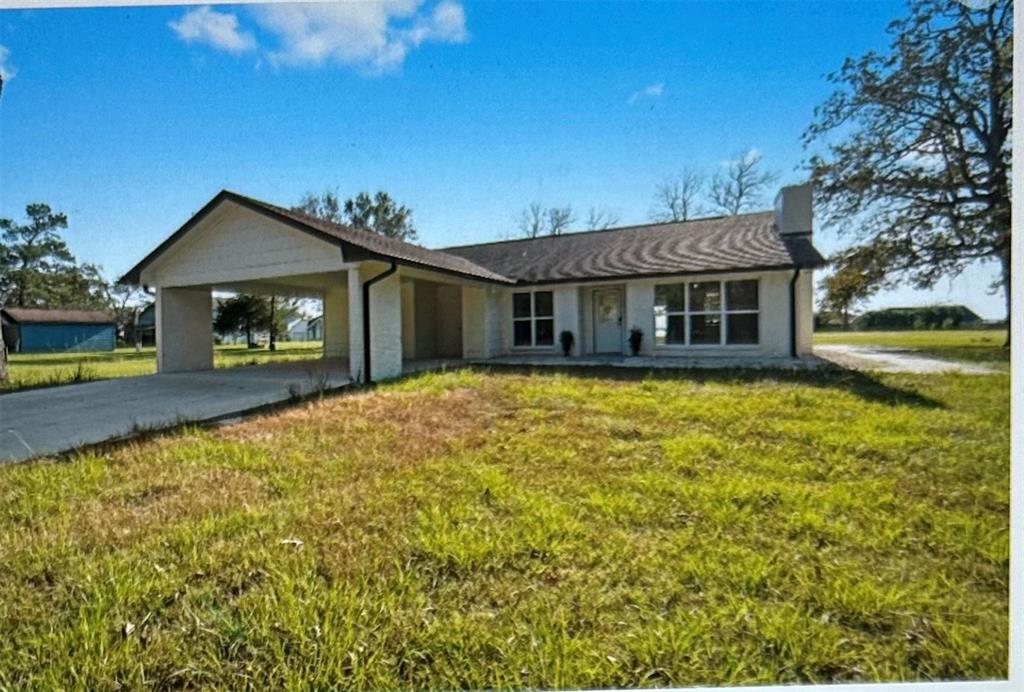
356,244
744,242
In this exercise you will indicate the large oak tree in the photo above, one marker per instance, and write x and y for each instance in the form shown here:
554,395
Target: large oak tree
916,160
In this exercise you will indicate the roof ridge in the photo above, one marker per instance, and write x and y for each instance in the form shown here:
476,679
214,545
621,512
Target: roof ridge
606,230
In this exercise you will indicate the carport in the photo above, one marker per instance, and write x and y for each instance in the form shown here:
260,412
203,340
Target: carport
388,306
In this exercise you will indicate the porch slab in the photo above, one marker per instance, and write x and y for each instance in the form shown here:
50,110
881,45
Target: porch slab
658,362
42,422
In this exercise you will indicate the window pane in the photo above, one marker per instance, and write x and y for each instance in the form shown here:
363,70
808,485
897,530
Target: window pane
706,296
520,304
522,332
545,332
676,331
705,329
742,329
660,325
669,297
542,304
741,295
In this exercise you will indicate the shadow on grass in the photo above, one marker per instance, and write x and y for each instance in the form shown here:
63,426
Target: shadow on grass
855,382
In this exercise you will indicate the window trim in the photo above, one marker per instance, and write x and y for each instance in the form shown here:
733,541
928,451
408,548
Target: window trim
532,319
722,313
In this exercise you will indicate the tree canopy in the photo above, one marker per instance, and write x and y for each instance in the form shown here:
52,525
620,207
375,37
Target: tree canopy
248,314
38,270
378,213
916,162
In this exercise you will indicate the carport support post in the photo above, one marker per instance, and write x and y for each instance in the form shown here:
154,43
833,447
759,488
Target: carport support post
335,322
184,329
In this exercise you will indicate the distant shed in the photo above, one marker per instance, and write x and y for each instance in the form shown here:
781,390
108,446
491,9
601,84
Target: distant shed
28,330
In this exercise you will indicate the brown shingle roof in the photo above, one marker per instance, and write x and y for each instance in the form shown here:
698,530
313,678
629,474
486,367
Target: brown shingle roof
746,241
742,242
33,315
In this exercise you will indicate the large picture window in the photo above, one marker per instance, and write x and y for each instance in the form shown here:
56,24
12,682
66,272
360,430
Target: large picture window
706,313
533,319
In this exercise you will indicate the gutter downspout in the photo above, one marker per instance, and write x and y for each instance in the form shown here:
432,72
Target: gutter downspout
368,378
792,313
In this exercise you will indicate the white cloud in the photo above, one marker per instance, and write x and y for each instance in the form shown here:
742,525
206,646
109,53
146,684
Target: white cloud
373,35
218,29
653,91
7,72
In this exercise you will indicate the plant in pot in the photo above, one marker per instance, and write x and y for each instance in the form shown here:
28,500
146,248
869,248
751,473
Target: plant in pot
636,338
568,341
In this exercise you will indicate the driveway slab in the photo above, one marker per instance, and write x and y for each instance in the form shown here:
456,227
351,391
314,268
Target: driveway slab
893,359
48,421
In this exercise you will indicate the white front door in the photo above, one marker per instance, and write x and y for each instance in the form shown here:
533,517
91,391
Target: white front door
607,320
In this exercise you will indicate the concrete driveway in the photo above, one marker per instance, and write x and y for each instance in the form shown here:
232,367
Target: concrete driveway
893,359
47,421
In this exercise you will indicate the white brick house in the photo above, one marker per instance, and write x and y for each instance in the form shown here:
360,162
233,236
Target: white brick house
724,286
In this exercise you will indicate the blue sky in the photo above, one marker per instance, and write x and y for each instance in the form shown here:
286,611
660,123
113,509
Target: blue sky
130,119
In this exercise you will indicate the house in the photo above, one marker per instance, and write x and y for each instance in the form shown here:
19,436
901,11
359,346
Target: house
314,328
304,329
738,286
29,330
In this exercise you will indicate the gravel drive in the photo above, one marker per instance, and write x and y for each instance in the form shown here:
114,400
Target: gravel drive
894,359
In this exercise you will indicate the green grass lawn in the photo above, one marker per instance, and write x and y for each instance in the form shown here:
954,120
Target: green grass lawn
40,369
976,345
501,529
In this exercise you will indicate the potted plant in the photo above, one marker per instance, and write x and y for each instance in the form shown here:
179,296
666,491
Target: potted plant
568,341
636,338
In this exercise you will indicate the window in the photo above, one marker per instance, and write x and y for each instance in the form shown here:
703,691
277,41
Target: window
533,319
702,313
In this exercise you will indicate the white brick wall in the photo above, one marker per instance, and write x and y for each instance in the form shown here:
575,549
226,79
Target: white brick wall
567,316
638,311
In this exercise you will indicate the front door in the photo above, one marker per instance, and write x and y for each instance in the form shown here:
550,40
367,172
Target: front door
607,320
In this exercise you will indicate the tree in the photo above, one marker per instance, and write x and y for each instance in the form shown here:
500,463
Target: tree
38,270
325,206
560,219
919,167
601,219
742,185
380,214
857,275
677,199
537,220
377,214
531,220
124,301
242,314
33,251
246,314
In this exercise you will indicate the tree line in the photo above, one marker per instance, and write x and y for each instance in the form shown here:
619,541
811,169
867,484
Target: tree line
740,186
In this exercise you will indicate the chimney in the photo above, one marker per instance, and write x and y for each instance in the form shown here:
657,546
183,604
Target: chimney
793,210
